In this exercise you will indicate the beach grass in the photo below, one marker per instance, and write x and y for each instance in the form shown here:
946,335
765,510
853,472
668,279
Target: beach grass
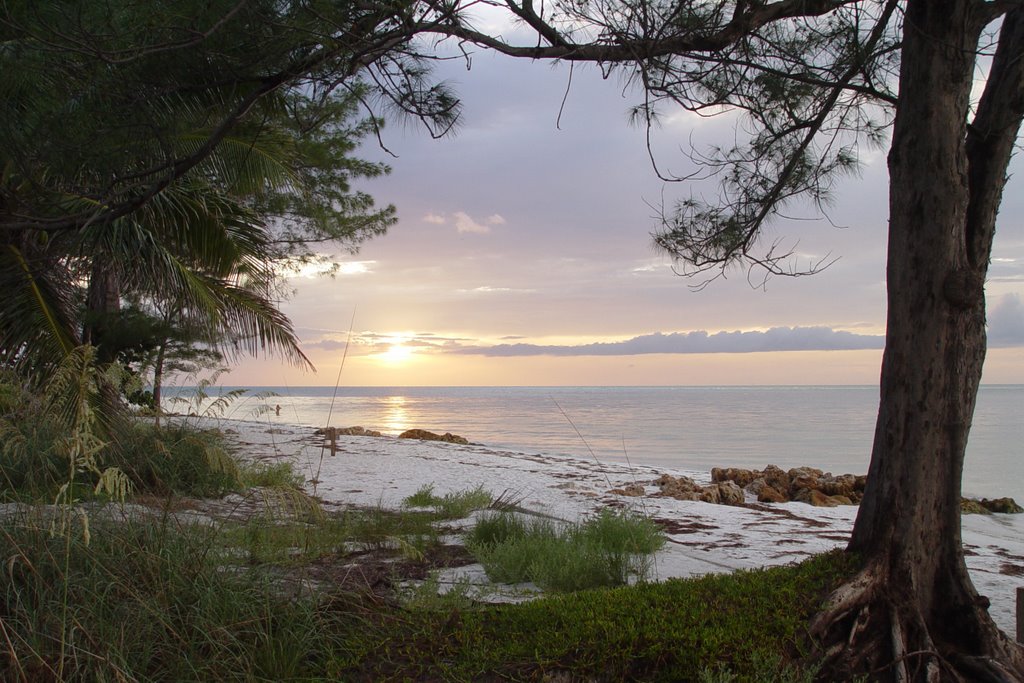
177,458
604,550
454,505
156,601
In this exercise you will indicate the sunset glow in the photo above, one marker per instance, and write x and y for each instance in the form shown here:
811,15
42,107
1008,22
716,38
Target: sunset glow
523,256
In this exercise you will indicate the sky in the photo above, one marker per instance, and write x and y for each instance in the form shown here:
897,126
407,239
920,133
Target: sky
523,256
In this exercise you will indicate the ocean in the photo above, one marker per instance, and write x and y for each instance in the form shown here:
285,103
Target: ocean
696,428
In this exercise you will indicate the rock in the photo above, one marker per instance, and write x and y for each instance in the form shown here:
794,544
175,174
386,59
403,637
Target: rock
755,486
776,477
1006,506
803,483
711,494
424,435
676,487
798,472
840,485
973,507
632,490
815,498
733,474
358,431
335,432
769,494
729,493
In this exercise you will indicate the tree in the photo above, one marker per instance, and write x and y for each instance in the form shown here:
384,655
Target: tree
178,151
817,78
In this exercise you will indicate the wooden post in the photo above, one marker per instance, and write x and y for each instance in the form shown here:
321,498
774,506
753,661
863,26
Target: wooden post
1020,615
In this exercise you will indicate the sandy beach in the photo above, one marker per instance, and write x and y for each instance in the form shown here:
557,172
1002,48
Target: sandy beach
702,537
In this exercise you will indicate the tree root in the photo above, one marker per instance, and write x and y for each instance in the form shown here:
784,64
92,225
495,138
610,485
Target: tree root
867,627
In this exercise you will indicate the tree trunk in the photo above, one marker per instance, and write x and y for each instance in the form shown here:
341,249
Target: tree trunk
103,302
912,613
158,380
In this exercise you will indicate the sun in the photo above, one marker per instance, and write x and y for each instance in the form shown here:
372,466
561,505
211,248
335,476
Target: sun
396,353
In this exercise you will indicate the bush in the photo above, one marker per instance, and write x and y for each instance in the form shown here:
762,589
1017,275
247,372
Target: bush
176,459
35,452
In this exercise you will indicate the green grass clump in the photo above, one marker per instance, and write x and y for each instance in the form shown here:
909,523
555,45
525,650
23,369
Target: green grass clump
456,505
279,474
604,550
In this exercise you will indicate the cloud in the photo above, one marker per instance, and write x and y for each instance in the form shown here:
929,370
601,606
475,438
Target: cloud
487,289
355,267
774,339
435,219
1006,322
326,344
465,223
369,342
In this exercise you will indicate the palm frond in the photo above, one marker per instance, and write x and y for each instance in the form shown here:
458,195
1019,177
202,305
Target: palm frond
36,332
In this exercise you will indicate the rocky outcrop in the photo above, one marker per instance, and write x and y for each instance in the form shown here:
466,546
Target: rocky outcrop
774,485
1005,506
424,435
730,493
802,484
630,490
684,488
334,432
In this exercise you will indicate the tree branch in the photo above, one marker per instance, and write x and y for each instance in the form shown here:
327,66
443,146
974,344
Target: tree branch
991,137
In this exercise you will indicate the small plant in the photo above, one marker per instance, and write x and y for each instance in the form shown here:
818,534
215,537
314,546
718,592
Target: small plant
602,551
769,668
457,505
423,498
428,595
201,402
379,528
278,474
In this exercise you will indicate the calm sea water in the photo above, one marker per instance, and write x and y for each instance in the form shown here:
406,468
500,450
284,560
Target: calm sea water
678,427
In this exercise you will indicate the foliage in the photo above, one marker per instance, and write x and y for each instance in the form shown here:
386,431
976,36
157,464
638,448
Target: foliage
145,602
279,474
180,158
669,631
40,445
604,550
158,601
454,505
814,84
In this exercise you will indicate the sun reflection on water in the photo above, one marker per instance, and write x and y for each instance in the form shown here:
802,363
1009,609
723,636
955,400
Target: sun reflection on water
396,417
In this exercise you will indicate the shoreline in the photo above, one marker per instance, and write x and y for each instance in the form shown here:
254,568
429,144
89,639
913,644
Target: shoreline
702,537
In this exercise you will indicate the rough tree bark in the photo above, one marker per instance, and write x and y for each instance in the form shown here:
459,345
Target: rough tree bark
912,613
102,301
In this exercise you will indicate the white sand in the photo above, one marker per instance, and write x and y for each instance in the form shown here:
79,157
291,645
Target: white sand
703,537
